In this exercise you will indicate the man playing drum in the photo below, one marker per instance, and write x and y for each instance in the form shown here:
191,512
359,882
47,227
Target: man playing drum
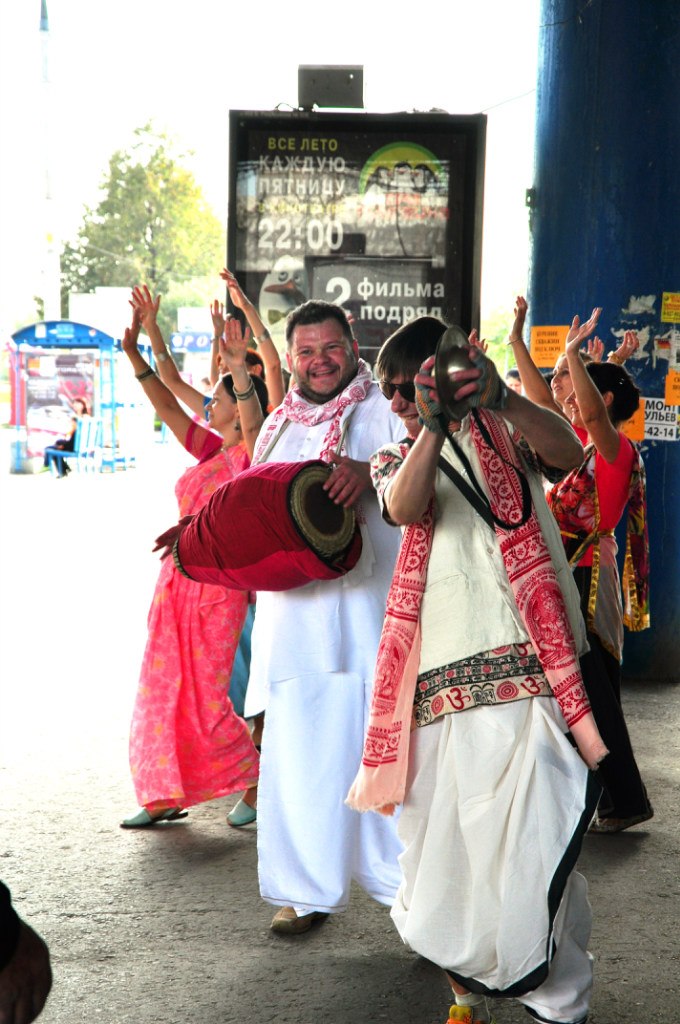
314,647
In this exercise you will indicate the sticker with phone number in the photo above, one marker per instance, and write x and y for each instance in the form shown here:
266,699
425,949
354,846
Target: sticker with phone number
661,420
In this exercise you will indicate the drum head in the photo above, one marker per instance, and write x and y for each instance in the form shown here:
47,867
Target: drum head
327,528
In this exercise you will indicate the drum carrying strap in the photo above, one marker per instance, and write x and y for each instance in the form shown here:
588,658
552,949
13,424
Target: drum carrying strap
287,423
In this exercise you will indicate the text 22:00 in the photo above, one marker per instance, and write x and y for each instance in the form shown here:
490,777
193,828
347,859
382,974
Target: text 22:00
317,235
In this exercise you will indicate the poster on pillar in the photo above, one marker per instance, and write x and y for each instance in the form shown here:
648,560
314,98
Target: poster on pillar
381,214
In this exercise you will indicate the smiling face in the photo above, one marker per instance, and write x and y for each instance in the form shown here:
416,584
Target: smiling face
406,411
561,382
572,410
322,360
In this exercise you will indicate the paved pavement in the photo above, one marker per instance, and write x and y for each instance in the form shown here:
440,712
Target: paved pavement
166,926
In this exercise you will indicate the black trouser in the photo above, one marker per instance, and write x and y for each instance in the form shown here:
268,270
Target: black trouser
624,791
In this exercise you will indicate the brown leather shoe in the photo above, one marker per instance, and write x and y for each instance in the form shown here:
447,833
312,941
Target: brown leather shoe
287,922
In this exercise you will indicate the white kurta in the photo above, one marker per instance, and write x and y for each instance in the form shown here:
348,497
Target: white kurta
313,656
468,605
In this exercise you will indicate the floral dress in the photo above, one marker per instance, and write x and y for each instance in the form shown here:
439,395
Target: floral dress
187,744
587,526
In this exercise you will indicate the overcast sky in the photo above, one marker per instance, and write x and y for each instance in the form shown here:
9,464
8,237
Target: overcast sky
112,68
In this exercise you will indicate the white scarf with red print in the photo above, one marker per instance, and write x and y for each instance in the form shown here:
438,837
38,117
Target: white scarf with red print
295,408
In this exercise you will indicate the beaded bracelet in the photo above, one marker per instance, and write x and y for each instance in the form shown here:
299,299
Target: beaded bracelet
145,373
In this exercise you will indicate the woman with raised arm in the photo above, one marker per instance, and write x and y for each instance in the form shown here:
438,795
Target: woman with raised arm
554,395
143,302
187,744
199,403
588,504
534,384
254,360
230,335
261,337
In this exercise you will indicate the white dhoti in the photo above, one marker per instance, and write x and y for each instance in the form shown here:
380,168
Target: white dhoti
311,846
497,802
313,658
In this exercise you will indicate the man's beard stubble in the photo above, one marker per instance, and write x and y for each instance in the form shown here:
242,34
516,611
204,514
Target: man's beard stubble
318,399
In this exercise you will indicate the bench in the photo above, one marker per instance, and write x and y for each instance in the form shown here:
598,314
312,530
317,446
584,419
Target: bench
86,444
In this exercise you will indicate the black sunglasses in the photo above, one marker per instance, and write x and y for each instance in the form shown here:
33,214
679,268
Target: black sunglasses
406,390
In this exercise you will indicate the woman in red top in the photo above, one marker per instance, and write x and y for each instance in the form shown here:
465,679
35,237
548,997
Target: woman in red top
588,504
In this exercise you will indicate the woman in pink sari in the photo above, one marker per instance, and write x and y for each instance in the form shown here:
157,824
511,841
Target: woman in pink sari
187,744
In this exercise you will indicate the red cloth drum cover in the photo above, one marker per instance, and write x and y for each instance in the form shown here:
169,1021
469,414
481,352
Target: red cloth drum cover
273,527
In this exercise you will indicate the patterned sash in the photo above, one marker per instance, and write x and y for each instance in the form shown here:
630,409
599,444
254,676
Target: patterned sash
635,580
381,781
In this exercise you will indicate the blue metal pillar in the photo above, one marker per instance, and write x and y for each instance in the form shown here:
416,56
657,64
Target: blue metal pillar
606,232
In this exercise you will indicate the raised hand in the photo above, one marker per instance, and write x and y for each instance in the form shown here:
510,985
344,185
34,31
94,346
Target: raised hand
233,346
630,344
474,339
236,293
218,318
145,305
578,332
131,335
516,331
595,349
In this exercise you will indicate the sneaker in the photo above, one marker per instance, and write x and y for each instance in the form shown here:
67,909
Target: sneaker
242,814
463,1015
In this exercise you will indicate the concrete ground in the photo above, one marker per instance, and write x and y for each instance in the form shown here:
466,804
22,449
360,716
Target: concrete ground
166,926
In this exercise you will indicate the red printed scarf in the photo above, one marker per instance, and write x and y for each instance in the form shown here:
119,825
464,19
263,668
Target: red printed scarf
381,781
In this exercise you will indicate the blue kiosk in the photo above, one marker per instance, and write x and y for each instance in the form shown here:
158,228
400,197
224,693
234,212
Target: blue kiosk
51,364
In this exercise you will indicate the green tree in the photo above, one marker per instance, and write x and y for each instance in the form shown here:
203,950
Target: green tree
495,330
152,226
